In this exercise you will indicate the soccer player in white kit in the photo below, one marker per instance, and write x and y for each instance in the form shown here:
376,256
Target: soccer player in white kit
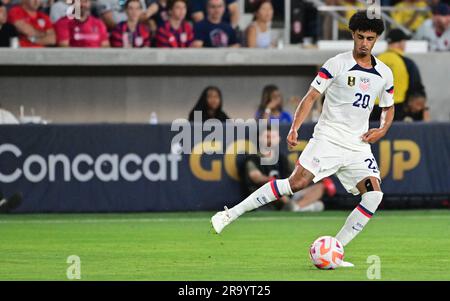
341,140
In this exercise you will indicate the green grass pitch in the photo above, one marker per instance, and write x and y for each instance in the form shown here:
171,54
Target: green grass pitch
412,245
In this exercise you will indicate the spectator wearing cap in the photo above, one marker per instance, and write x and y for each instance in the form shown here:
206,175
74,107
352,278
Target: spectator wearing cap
199,10
176,32
7,31
437,29
410,13
131,33
34,27
212,31
406,73
87,31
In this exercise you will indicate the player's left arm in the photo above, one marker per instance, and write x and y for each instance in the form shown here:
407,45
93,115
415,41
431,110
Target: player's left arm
387,114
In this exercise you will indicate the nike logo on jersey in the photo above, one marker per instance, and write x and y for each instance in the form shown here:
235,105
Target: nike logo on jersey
318,82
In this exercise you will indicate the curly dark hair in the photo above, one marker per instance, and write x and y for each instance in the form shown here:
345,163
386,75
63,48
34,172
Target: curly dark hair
361,21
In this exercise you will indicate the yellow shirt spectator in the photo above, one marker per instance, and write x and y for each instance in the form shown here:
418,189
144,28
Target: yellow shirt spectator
349,13
393,59
410,18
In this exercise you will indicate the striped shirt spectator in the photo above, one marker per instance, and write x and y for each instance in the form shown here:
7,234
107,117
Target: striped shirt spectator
131,33
123,37
169,37
176,32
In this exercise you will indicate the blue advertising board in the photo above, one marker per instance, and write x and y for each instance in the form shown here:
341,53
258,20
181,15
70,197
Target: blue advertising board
125,168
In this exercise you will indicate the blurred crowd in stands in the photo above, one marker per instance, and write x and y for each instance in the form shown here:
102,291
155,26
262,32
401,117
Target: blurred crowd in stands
423,19
195,23
215,23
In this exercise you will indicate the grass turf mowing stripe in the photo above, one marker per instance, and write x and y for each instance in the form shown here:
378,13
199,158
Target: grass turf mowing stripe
195,219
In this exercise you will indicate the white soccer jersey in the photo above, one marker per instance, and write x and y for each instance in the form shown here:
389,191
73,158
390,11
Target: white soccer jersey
350,93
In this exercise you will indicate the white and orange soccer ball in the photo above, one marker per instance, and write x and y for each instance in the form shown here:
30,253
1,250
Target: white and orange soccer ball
326,253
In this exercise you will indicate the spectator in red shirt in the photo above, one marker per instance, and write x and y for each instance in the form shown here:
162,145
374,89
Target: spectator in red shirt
131,33
177,32
34,27
87,31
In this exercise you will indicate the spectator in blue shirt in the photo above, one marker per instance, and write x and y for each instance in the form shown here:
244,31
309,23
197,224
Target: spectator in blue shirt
231,14
271,106
212,31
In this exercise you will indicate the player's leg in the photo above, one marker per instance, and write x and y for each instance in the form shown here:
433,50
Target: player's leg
371,197
269,192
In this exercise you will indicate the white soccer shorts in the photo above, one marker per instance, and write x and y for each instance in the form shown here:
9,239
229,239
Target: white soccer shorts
323,159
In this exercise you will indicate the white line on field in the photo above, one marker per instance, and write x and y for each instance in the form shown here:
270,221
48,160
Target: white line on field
198,219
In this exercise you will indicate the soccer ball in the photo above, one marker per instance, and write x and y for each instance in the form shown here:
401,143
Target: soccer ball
326,253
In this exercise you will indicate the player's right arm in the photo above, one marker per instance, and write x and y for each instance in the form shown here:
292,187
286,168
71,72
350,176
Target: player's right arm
302,111
321,82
